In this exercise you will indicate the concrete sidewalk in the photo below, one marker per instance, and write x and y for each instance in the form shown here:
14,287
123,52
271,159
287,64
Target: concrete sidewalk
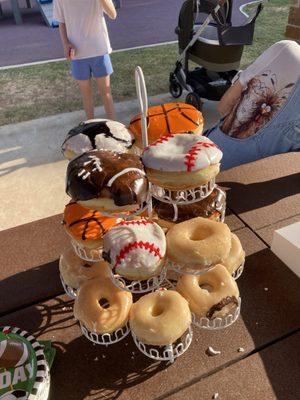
32,168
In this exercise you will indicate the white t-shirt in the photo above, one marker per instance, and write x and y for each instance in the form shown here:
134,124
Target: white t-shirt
267,85
86,26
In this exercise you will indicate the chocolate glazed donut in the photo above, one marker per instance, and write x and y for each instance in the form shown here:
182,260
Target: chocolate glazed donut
204,208
89,176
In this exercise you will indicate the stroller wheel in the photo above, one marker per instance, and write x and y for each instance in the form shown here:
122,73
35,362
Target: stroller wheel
194,100
175,89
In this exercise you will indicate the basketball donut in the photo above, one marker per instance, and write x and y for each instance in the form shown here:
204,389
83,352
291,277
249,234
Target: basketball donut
107,181
97,134
86,227
135,249
167,119
182,161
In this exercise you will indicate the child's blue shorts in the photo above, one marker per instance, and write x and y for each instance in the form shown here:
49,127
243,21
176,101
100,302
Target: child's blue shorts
97,67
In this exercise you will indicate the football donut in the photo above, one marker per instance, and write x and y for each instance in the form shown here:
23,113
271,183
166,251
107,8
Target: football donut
107,181
97,134
166,119
15,395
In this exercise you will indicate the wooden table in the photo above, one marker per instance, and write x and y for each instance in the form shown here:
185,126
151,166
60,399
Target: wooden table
31,297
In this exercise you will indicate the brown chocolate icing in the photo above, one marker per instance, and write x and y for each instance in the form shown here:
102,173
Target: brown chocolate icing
89,174
218,307
204,208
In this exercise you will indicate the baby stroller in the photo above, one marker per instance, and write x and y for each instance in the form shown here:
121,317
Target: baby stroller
212,33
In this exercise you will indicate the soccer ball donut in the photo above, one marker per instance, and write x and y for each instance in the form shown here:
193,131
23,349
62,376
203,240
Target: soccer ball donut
96,134
167,119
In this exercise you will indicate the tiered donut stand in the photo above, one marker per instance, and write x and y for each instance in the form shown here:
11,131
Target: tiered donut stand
162,281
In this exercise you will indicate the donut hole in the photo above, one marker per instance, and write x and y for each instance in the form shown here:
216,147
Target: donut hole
157,310
104,303
206,286
200,234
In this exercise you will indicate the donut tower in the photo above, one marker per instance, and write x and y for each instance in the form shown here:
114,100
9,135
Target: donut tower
146,218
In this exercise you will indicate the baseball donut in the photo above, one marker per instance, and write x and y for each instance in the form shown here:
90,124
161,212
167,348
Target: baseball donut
160,318
13,353
182,161
135,249
198,243
107,181
211,295
97,134
86,227
89,306
166,119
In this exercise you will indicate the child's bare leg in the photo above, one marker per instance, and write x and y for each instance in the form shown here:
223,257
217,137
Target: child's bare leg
87,97
105,93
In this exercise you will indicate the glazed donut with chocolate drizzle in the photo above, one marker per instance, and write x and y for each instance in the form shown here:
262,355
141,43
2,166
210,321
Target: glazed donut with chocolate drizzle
211,295
86,227
135,249
167,119
183,161
107,181
97,134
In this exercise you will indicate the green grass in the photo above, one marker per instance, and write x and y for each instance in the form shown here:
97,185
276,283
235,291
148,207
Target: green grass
47,89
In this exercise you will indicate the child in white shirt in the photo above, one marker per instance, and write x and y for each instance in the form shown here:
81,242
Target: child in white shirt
86,43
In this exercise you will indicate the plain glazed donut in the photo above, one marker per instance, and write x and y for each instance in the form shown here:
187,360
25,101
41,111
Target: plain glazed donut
211,295
160,318
198,243
135,249
92,315
97,134
183,161
75,271
236,256
166,119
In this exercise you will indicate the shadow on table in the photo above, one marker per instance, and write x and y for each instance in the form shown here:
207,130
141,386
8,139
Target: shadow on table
270,310
247,197
29,286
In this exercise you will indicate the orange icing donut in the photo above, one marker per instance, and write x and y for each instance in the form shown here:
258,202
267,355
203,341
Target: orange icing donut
166,119
86,226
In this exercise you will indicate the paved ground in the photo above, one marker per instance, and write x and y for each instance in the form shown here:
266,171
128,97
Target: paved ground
139,22
32,169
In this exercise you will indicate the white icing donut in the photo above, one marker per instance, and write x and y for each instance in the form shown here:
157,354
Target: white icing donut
185,152
135,249
97,134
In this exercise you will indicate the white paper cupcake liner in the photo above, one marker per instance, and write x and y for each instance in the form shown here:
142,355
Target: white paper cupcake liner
217,323
166,353
86,254
106,339
181,197
68,289
236,274
137,286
